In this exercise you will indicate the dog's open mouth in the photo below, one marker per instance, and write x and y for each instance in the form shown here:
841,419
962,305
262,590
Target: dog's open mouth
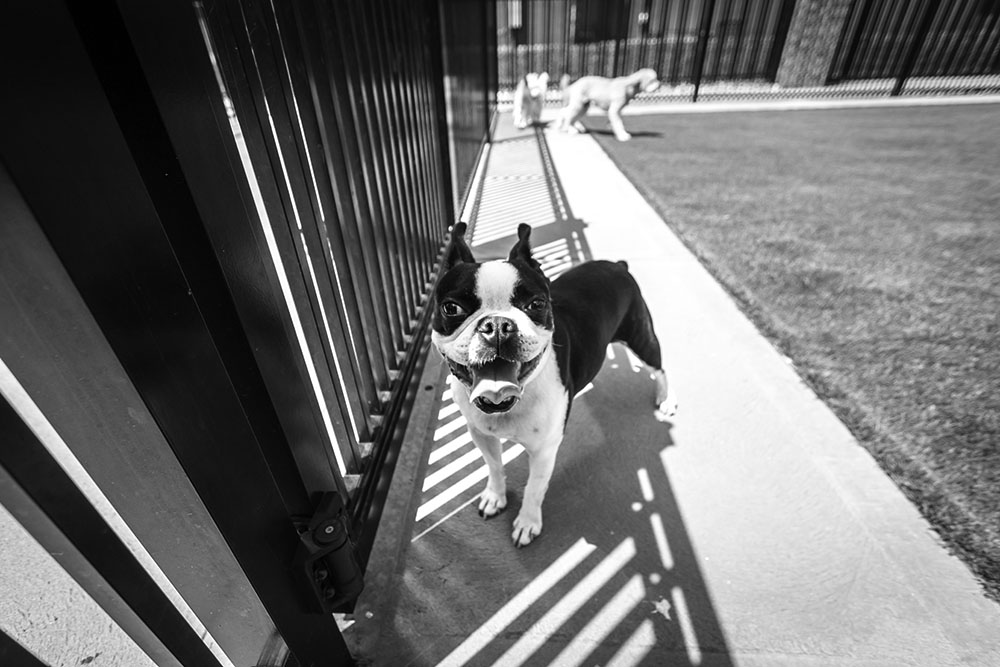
495,386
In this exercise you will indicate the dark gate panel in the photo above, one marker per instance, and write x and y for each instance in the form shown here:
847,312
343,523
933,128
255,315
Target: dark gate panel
683,40
250,199
469,72
927,38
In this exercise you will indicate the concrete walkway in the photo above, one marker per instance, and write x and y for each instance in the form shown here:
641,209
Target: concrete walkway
751,531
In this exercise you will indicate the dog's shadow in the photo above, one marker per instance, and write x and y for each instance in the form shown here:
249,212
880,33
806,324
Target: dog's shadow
635,134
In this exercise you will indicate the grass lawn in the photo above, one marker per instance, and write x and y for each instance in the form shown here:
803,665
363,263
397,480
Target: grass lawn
866,244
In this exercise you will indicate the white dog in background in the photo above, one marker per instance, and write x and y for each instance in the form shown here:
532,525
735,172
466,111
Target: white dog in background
529,98
609,94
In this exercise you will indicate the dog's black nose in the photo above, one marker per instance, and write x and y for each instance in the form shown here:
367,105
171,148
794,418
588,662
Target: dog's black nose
496,330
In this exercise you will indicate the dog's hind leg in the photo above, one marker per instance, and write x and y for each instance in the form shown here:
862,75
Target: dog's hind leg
493,499
637,332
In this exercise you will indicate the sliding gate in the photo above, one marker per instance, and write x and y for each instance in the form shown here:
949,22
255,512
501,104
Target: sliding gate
220,225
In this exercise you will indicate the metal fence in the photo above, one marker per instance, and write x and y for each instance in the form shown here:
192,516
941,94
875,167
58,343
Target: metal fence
900,39
724,49
685,41
231,214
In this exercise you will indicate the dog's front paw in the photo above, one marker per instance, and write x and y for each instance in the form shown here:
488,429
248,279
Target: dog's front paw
491,503
526,528
666,410
624,136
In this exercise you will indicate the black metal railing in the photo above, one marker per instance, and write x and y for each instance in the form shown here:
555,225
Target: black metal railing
725,49
338,107
239,207
685,41
897,39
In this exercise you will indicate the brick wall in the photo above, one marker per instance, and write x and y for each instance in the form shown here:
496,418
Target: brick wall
812,41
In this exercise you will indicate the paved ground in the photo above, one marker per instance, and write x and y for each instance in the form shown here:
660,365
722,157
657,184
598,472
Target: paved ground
751,531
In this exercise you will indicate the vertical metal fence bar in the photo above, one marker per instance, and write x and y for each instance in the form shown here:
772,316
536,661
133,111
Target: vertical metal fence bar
370,150
888,38
940,38
704,31
929,10
332,183
901,24
621,36
306,252
846,56
411,149
388,157
182,344
732,70
680,47
567,23
45,499
761,23
958,42
365,245
417,107
993,59
643,37
531,29
780,34
869,34
426,115
403,183
661,37
352,367
426,105
966,61
341,154
404,135
862,67
385,159
984,61
718,44
549,41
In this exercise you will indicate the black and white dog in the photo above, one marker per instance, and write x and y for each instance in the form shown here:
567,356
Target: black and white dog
520,347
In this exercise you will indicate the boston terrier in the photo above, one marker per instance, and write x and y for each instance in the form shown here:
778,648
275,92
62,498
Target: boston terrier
519,349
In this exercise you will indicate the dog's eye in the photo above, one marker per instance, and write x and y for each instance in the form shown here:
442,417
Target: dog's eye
451,309
536,304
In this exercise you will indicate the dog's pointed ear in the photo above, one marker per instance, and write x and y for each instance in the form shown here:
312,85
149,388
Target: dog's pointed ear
522,249
458,250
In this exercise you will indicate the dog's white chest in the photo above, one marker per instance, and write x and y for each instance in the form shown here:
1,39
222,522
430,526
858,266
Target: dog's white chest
536,420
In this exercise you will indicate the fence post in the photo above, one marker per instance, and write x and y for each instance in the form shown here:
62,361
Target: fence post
930,10
703,33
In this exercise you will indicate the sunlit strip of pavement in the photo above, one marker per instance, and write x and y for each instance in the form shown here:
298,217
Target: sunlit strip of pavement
602,624
687,627
536,636
464,484
449,448
447,410
636,647
518,605
449,427
451,468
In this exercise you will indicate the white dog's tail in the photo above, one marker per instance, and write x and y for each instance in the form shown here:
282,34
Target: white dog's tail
564,82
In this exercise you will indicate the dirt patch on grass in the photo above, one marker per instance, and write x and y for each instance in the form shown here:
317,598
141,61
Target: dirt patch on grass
865,244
